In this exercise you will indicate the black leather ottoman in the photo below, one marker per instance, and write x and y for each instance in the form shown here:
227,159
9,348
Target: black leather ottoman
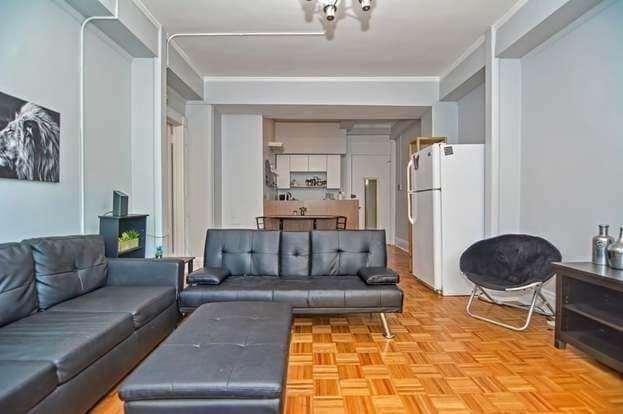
227,357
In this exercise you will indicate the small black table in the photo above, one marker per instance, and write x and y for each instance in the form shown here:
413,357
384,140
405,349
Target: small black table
589,311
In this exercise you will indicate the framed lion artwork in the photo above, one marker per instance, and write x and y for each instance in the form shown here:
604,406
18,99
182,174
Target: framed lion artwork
29,141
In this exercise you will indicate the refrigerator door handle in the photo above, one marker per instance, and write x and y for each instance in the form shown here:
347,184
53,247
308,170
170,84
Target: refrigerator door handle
410,192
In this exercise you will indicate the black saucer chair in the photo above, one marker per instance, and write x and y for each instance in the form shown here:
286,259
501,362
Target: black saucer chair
510,263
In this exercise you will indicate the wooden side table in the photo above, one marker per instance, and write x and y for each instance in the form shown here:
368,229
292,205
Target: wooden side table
589,311
188,261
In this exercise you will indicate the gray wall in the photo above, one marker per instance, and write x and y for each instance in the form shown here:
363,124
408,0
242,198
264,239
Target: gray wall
39,62
572,141
402,158
471,110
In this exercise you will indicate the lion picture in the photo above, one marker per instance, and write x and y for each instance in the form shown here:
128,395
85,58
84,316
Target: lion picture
29,141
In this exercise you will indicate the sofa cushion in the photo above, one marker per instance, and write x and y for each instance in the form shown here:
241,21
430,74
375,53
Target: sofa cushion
332,292
66,267
144,303
295,250
222,351
378,276
24,383
345,252
243,252
70,340
17,282
207,276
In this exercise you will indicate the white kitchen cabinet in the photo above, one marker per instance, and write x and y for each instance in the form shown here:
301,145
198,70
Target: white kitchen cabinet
334,172
316,163
283,171
299,163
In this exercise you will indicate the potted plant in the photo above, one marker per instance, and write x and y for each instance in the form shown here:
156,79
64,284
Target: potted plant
129,240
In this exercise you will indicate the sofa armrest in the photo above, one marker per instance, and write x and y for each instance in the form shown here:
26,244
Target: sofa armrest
378,276
207,276
146,272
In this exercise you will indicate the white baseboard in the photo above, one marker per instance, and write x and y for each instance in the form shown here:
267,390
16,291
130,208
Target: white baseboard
402,244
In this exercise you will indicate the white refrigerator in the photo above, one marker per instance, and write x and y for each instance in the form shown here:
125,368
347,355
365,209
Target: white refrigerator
446,210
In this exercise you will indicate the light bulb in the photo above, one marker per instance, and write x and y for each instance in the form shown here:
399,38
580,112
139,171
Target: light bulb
365,5
329,11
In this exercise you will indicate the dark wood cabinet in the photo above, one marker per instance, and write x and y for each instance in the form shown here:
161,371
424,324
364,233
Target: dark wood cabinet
111,227
589,311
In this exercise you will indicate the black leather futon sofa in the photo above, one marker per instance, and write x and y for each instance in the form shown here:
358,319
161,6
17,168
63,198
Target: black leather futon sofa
73,323
322,271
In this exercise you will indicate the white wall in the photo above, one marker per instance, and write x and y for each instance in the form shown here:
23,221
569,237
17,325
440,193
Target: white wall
402,157
39,62
199,174
268,135
311,137
241,170
445,121
322,91
471,110
572,141
427,123
370,156
217,203
108,127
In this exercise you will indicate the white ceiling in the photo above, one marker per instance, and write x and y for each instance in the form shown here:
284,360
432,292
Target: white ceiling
403,37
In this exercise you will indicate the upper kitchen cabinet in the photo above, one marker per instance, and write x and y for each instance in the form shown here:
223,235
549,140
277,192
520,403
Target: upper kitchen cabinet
308,163
334,172
298,163
316,163
283,171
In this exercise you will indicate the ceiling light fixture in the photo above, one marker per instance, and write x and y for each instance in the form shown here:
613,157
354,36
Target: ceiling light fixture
329,7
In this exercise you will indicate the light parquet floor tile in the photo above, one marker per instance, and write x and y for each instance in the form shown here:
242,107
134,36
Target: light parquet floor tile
441,361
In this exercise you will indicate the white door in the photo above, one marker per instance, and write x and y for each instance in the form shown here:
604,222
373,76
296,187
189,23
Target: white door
299,163
366,167
283,171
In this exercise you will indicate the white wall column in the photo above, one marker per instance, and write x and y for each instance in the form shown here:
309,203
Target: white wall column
509,190
492,161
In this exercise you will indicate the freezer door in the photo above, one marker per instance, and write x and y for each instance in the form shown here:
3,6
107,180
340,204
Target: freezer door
427,168
427,238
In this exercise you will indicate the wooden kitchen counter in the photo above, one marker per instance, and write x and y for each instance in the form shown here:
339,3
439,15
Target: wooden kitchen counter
347,208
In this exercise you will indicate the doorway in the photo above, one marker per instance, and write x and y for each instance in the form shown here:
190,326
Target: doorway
371,184
371,203
175,194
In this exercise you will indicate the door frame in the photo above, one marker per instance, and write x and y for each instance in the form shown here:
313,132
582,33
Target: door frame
176,220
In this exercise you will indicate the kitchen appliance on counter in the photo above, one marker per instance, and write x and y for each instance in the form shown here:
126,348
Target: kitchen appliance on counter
445,187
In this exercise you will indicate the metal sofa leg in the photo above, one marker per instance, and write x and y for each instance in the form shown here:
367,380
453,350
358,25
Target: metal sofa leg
388,333
477,291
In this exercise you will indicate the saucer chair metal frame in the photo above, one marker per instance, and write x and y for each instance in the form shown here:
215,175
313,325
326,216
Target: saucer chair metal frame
510,263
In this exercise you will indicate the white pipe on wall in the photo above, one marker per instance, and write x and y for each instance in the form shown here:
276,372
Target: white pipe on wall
83,27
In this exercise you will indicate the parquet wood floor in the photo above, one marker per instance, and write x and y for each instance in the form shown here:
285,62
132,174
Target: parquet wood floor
441,361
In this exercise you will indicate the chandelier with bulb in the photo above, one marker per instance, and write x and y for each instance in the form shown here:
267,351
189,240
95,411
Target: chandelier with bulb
329,7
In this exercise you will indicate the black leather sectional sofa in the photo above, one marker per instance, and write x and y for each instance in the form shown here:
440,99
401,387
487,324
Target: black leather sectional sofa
73,323
324,271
